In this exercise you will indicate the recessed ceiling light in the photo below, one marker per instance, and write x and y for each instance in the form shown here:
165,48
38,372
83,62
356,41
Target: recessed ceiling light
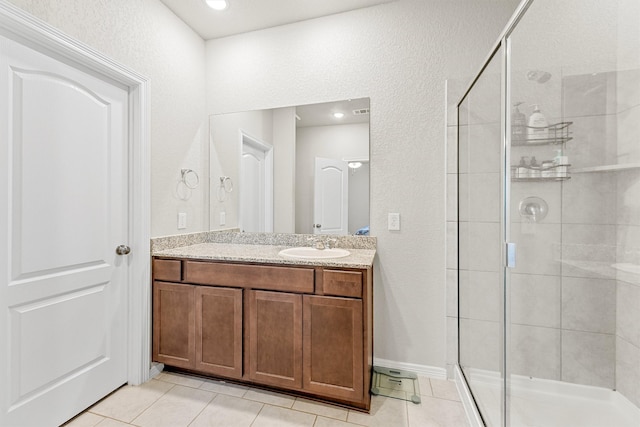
338,115
217,4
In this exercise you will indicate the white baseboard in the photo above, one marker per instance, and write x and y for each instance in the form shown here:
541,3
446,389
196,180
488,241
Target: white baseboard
427,371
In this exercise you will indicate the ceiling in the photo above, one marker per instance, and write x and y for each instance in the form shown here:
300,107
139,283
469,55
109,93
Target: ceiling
322,114
249,15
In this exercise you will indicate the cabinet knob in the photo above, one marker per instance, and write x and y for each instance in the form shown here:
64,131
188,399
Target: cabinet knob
317,225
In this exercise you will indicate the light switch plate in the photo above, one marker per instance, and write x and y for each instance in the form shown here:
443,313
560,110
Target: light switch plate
182,220
394,222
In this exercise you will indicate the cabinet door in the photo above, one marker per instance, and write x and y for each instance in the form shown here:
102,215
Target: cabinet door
173,324
275,338
219,331
333,347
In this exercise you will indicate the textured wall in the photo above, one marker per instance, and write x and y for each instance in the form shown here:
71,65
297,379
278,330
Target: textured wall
147,37
398,54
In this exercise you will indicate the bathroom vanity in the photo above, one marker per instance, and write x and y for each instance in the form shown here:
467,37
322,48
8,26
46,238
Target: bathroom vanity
246,313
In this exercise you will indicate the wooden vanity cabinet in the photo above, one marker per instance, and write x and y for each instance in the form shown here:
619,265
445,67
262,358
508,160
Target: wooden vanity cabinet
218,328
304,329
174,324
333,347
275,338
198,327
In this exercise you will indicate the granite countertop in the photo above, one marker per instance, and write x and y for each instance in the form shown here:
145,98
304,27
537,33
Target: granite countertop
267,254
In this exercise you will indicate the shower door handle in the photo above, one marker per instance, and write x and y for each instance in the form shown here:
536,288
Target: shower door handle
511,255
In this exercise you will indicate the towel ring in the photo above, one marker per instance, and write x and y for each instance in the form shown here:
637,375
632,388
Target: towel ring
226,187
226,184
190,178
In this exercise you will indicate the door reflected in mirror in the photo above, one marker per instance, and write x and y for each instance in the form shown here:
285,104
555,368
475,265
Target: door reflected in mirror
302,169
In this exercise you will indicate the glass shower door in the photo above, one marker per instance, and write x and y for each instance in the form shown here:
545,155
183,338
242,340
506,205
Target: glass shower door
549,160
480,267
573,319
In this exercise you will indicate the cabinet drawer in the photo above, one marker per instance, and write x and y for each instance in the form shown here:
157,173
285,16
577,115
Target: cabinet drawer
287,279
167,269
342,283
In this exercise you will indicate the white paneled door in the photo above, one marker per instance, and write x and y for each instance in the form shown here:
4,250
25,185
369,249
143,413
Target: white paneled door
256,197
63,212
331,197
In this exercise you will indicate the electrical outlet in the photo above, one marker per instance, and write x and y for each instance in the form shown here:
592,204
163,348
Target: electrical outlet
182,220
394,222
223,218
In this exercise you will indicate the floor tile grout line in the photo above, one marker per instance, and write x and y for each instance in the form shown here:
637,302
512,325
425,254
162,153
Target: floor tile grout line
320,415
205,406
269,392
123,421
181,376
224,383
258,414
152,403
104,417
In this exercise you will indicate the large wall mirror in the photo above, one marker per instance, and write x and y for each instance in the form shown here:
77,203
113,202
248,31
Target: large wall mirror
302,169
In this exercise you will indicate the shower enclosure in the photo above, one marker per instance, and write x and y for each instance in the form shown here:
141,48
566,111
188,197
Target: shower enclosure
549,220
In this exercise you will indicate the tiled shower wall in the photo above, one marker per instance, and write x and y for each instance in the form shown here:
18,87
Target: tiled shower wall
479,225
479,250
563,310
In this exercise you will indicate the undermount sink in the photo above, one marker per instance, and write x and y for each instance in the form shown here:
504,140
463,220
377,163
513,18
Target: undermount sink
313,253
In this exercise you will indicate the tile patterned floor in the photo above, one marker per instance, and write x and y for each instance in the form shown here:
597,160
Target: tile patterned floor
176,400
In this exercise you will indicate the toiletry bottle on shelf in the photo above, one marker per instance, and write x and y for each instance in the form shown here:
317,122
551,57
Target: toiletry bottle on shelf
522,171
534,168
561,163
518,123
538,126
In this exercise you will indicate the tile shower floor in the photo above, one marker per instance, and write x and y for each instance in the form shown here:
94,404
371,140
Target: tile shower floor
176,400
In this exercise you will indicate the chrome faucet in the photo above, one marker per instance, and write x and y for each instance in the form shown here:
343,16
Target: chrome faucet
320,243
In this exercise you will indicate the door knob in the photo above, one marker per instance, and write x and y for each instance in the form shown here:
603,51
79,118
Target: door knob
317,225
123,250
